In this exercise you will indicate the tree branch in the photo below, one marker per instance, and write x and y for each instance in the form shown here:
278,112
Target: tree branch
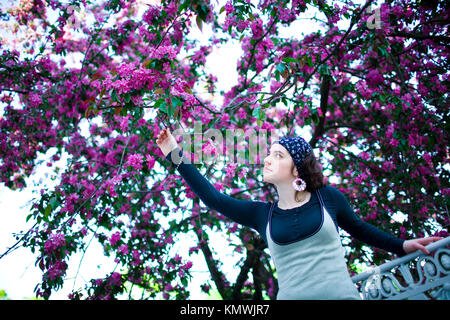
418,36
324,91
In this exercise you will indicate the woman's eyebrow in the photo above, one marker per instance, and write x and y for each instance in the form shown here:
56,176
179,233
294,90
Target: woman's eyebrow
277,151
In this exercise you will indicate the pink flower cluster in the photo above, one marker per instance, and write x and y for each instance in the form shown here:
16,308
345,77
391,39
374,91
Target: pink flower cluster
159,53
374,78
152,14
56,270
114,238
135,161
116,279
35,100
54,242
230,169
178,88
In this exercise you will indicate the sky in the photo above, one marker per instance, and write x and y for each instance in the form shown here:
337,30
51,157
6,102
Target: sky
19,275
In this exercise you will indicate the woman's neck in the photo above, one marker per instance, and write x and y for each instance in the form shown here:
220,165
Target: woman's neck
286,198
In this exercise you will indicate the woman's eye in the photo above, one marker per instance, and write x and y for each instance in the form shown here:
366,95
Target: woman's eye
276,154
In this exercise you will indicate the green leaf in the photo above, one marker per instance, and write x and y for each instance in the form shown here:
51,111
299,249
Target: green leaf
383,52
114,96
289,59
47,212
162,107
324,69
261,98
183,6
127,98
199,22
280,67
54,202
255,112
175,103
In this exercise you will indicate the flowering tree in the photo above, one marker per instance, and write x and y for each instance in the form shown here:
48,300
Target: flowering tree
379,85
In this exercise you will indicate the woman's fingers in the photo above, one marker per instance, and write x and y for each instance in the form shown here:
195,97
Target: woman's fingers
419,244
422,248
162,136
428,240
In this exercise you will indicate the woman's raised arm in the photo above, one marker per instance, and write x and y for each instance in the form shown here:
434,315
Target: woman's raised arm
247,213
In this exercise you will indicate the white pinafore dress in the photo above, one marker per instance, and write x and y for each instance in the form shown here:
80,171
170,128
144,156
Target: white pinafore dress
313,268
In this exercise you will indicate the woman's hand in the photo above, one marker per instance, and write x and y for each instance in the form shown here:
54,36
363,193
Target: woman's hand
419,244
166,141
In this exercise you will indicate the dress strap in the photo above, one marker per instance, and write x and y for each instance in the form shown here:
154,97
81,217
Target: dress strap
272,205
320,198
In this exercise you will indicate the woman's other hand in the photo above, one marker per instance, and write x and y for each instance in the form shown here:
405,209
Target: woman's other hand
419,244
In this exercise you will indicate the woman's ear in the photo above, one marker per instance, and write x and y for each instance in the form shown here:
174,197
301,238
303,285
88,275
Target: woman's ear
295,172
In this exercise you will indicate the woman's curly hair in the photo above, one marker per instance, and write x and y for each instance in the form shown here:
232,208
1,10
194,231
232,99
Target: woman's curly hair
311,173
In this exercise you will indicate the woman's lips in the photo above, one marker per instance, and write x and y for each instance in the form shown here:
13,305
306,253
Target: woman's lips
265,169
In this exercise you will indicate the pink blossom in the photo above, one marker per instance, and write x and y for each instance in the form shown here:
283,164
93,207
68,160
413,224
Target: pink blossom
35,100
114,238
373,203
54,242
275,85
123,249
136,258
168,287
135,161
423,210
206,288
229,8
231,169
124,123
364,155
374,78
243,173
257,28
388,166
394,142
177,258
209,149
56,270
187,266
194,249
150,161
160,52
169,239
151,14
116,279
141,122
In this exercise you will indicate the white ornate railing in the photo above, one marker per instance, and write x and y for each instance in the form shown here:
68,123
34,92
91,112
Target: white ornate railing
416,276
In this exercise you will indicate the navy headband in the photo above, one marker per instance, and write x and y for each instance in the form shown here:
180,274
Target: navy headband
297,147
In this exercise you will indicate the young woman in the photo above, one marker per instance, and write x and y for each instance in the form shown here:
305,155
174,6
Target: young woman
301,228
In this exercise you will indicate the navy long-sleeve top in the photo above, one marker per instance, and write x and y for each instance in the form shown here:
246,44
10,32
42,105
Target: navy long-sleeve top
288,225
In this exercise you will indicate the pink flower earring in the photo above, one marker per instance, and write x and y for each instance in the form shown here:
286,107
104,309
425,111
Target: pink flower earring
299,184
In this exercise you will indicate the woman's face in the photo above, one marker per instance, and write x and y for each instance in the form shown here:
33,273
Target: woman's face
278,165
